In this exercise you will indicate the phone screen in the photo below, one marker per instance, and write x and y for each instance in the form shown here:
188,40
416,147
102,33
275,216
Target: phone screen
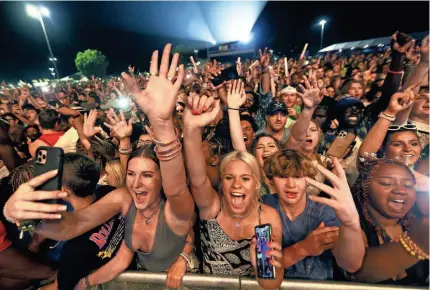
265,269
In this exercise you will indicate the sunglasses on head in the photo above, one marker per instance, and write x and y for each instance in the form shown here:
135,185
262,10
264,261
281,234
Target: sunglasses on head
410,127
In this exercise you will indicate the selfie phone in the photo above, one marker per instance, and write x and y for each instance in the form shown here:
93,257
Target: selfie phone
47,159
263,234
340,145
226,75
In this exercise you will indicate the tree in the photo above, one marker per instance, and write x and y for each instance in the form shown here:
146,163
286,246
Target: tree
91,62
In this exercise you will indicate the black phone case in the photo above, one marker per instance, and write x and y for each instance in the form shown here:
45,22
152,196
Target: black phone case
226,75
256,258
47,159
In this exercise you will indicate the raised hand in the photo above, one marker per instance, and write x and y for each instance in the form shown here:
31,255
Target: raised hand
341,198
400,101
236,96
25,203
159,99
408,42
311,96
264,58
200,111
118,126
89,128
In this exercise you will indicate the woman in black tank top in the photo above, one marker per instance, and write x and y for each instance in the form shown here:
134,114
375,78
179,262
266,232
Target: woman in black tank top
385,195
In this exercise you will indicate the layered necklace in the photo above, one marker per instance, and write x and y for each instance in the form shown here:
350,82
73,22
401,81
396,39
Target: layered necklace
148,218
239,218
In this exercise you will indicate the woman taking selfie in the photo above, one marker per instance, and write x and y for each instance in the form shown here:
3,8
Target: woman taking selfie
397,244
228,218
156,229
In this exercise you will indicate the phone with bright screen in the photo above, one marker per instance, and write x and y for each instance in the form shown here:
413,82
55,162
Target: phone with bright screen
263,234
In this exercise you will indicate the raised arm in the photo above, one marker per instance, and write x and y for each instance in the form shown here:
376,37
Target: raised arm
204,195
235,99
417,76
373,141
311,98
265,76
158,103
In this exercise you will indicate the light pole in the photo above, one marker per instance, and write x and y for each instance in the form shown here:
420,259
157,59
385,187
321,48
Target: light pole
322,23
38,12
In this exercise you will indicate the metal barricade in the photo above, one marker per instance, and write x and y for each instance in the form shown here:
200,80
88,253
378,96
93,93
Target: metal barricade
133,280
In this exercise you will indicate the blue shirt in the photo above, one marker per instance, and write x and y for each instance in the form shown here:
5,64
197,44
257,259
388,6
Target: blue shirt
315,268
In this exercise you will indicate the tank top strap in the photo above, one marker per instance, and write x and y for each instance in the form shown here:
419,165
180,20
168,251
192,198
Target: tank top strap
129,224
259,213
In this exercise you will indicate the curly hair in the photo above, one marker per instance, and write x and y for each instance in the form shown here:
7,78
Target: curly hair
286,163
360,192
21,174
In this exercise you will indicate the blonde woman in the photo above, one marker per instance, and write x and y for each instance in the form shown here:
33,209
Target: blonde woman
228,218
115,176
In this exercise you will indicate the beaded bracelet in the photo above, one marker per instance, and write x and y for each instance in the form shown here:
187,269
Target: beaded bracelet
9,219
125,151
412,248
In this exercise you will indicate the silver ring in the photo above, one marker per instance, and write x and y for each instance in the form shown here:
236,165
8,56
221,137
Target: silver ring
170,78
153,74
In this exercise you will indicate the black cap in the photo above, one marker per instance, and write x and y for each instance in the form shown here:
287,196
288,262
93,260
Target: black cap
276,107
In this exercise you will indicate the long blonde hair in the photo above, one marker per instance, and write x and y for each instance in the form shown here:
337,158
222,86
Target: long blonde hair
246,157
113,168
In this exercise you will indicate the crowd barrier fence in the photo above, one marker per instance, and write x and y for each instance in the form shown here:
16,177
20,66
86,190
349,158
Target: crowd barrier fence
133,280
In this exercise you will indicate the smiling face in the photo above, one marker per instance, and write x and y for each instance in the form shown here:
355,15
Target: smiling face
143,182
420,107
392,191
404,146
353,116
239,186
265,147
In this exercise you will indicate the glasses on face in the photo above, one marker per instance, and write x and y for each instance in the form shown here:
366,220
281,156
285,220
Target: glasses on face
410,127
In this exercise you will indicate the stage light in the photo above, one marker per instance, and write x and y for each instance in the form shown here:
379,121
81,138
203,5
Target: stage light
247,38
352,48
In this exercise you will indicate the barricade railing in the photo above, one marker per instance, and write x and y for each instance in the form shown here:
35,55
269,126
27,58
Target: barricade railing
133,280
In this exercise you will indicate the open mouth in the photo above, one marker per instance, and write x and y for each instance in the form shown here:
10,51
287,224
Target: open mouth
290,195
352,118
238,199
308,141
245,138
397,204
140,196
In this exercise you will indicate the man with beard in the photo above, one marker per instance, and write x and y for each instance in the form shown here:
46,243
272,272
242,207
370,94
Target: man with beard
276,118
289,97
349,114
30,112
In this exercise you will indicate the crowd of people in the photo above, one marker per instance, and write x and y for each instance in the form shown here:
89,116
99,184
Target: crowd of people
169,172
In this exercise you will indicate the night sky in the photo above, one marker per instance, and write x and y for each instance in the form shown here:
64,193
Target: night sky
108,27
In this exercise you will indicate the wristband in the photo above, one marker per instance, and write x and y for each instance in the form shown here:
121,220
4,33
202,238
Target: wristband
9,219
395,72
125,151
235,109
87,282
387,117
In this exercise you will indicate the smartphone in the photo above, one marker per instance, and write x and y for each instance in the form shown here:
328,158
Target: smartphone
47,159
340,145
226,75
263,234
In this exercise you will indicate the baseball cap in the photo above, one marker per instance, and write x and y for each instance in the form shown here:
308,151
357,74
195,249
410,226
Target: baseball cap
288,90
276,107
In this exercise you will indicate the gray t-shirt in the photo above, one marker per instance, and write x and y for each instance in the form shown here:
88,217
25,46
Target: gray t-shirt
317,267
284,137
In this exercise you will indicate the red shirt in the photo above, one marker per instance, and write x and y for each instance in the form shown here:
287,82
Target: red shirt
4,243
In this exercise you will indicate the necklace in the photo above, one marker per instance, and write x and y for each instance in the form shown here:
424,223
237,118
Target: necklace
239,218
148,218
